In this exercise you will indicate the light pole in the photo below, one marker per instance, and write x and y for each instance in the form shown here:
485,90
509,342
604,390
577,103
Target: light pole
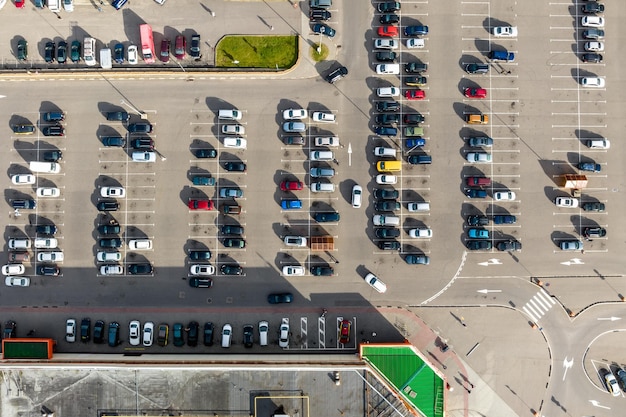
319,46
135,109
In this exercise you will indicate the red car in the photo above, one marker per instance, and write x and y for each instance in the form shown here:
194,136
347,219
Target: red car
344,332
478,181
200,205
388,31
415,94
180,45
475,92
20,3
291,185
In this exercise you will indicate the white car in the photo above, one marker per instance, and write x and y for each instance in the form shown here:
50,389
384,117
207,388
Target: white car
140,244
134,331
144,156
414,43
387,92
597,82
375,283
133,56
233,130
594,46
46,243
293,270
202,270
357,196
23,179
327,141
382,69
116,192
48,192
56,256
283,335
386,179
421,233
592,21
386,43
13,269
384,152
68,5
567,202
297,241
148,333
111,270
19,244
295,114
479,157
504,196
611,384
109,256
323,117
505,31
70,330
236,143
227,332
17,281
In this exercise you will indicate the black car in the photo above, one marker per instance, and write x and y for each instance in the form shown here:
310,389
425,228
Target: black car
140,127
98,332
280,298
595,34
194,49
594,232
116,141
415,81
24,204
48,270
477,220
478,245
323,29
385,131
53,116
62,52
387,119
389,19
200,282
386,56
386,205
417,260
110,243
75,51
387,7
322,271
387,232
592,7
509,246
326,217
200,255
386,194
85,330
234,242
54,130
595,206
474,193
46,229
192,333
140,269
205,153
109,205
248,335
336,74
413,118
142,143
207,338
235,166
118,53
231,269
504,219
10,329
22,50
49,52
108,229
117,116
52,156
294,140
389,245
230,229
318,14
387,106
594,58
114,334
415,67
477,68
23,129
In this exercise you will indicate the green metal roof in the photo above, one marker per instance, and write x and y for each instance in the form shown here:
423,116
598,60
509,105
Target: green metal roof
410,374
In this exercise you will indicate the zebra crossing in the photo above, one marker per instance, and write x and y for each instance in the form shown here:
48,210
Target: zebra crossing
538,305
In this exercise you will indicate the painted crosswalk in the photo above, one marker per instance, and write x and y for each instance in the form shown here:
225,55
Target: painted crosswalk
538,305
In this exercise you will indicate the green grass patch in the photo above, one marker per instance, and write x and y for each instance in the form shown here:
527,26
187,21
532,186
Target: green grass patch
257,52
321,55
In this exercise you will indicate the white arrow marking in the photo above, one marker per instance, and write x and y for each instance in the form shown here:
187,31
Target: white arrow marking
597,404
567,364
574,261
610,318
486,291
350,153
492,261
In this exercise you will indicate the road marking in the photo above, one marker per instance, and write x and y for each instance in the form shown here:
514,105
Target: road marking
535,311
567,364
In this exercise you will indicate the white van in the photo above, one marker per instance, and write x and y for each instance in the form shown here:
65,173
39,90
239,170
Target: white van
418,206
321,155
54,5
323,187
264,328
105,58
599,144
229,115
89,51
45,167
388,92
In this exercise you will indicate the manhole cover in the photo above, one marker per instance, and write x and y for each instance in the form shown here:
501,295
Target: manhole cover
229,300
181,294
209,300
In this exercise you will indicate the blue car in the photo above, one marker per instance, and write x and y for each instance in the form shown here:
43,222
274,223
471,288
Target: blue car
118,4
324,30
414,142
416,30
474,193
589,166
386,131
119,53
291,204
478,233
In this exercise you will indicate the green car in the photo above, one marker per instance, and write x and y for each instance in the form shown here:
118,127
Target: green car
75,51
22,50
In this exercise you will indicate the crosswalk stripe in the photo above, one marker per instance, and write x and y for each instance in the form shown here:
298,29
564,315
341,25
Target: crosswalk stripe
542,302
530,314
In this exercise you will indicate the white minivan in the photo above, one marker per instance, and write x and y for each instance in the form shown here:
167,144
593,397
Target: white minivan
598,144
321,156
45,167
323,187
89,51
105,58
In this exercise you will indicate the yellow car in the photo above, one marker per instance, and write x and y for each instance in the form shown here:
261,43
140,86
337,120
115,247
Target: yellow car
477,119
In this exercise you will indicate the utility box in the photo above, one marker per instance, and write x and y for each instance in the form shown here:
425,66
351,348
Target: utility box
322,243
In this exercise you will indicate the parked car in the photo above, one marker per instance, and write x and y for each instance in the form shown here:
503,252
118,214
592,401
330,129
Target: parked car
324,29
280,298
375,283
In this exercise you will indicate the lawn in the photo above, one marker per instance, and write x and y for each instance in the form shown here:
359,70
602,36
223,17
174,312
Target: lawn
257,52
